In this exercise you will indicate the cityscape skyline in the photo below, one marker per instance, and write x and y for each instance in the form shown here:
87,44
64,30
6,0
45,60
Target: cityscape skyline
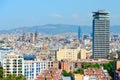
31,13
59,40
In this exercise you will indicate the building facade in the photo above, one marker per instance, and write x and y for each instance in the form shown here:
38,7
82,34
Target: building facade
13,64
32,68
96,74
101,32
69,54
118,65
3,53
82,54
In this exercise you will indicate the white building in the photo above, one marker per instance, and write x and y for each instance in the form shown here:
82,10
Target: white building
33,68
13,64
3,52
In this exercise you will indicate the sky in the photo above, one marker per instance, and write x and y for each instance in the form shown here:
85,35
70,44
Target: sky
27,13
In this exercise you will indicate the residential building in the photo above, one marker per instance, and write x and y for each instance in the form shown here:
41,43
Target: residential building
50,74
78,77
117,71
13,64
82,54
3,52
65,65
32,68
118,65
96,74
70,54
101,33
67,78
53,64
117,75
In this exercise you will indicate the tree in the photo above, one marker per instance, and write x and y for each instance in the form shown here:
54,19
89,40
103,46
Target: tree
79,71
110,68
1,72
14,77
86,65
2,42
118,55
65,73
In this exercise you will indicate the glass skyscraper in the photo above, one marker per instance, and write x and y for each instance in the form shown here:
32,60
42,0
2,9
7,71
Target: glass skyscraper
101,32
79,32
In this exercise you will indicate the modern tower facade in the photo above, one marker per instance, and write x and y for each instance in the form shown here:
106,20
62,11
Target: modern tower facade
101,32
79,32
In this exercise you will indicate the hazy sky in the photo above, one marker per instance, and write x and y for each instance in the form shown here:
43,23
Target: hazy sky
20,13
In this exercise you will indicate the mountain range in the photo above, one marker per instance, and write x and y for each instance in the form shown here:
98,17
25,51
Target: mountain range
57,29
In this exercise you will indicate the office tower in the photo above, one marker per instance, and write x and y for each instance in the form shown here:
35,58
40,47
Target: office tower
24,36
79,32
101,26
36,36
32,37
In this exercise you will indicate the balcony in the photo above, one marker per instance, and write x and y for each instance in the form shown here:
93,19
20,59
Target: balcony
19,68
14,72
7,65
19,65
14,68
20,61
8,69
19,71
14,63
8,72
14,60
7,62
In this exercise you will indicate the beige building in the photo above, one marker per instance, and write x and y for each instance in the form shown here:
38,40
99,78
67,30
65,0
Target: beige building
82,54
78,77
52,64
55,64
118,65
69,54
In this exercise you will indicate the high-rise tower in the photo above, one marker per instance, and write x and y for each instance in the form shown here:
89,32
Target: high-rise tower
79,32
101,32
32,37
36,36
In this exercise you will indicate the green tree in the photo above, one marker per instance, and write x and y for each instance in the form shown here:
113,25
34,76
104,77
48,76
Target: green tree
110,67
14,77
79,71
1,41
65,73
118,55
1,72
86,65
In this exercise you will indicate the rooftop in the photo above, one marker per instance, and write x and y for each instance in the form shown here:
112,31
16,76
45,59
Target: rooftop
95,73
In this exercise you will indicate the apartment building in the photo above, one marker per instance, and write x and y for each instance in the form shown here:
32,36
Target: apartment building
13,64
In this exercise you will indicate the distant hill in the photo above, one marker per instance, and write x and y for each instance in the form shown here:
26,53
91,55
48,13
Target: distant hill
57,29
